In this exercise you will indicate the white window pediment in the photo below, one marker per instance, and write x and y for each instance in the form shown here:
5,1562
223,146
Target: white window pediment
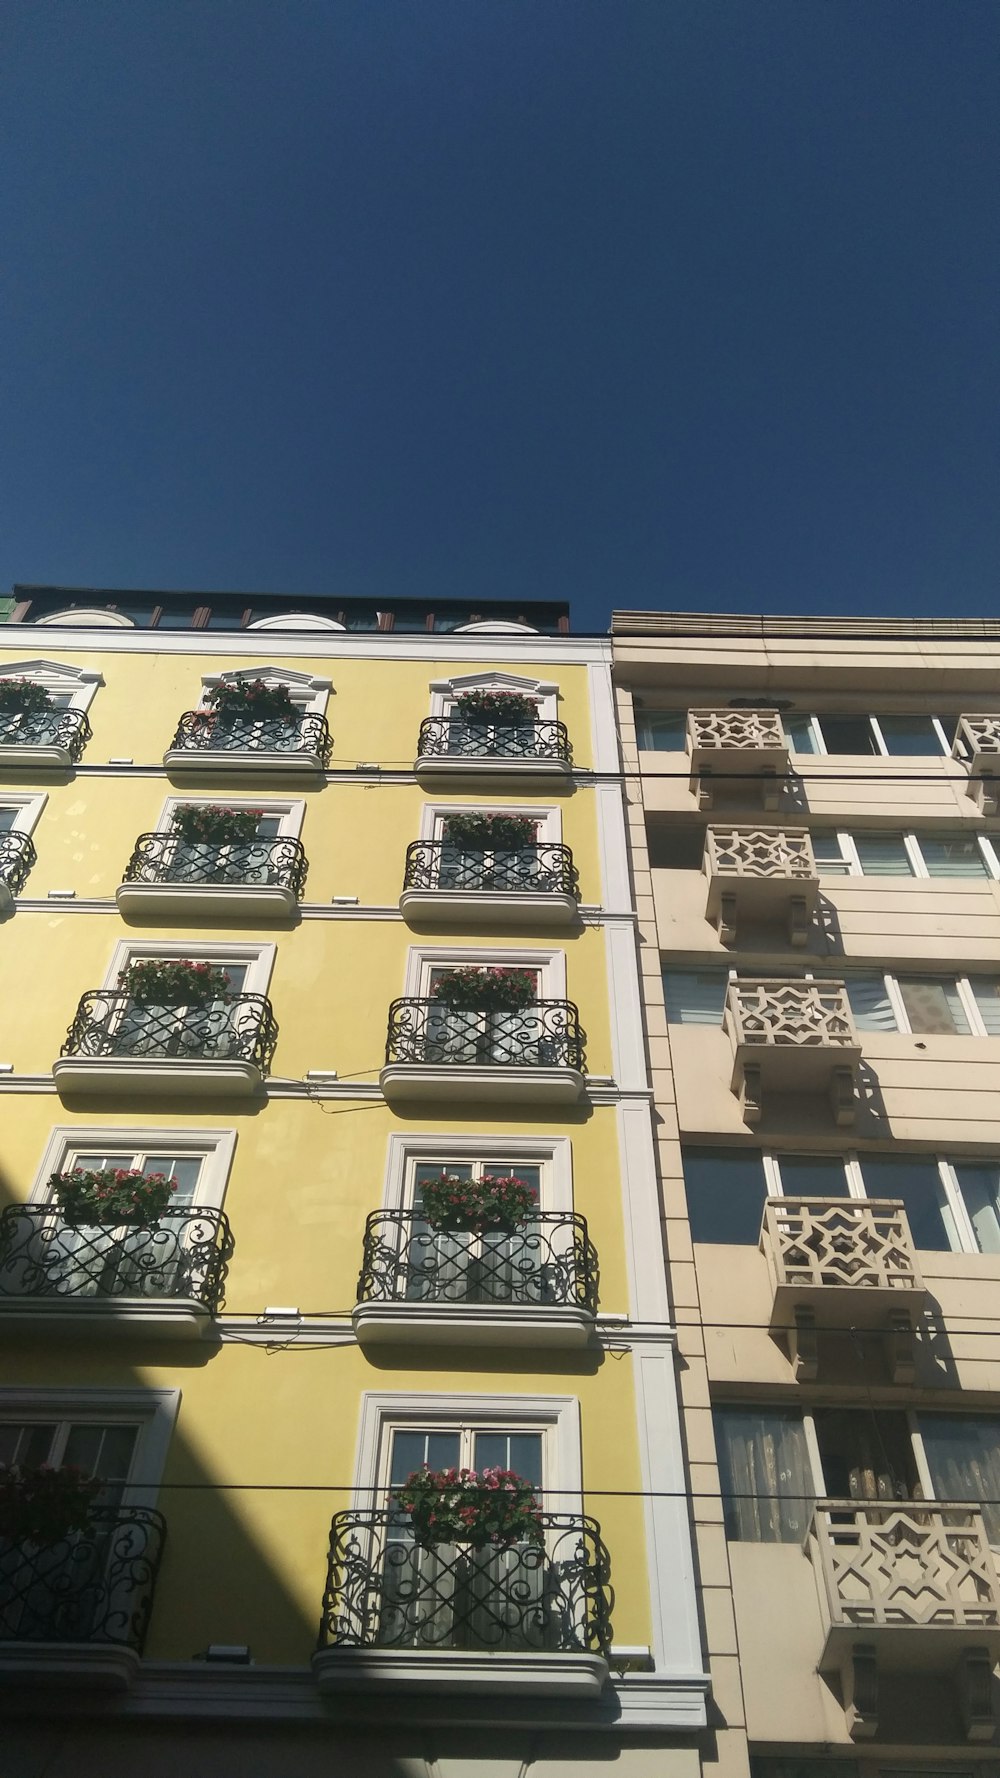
544,691
76,685
307,692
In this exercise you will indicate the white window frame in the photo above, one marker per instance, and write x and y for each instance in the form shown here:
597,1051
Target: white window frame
988,845
155,1410
815,721
422,960
556,1416
258,959
546,817
951,1201
29,805
55,676
214,1148
545,692
290,811
308,694
554,1155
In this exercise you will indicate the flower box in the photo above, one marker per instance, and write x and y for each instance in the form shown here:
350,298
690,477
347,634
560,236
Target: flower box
154,981
22,697
495,990
474,1206
493,833
43,1506
209,824
484,1507
111,1195
506,707
251,700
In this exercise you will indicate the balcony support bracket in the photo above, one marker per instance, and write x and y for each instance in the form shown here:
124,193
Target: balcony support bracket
843,1097
798,920
902,1353
859,1681
751,1095
975,1694
727,917
803,1346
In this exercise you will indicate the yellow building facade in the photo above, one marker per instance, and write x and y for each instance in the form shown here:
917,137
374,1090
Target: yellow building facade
244,1581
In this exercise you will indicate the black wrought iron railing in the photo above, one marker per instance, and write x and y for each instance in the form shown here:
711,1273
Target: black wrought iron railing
92,1586
539,867
544,1035
548,1261
386,1591
68,730
110,1022
183,1254
201,731
457,737
17,857
165,858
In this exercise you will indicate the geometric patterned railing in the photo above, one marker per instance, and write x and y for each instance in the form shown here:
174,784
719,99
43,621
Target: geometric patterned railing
541,868
236,1027
200,730
977,734
91,1586
68,730
546,1262
184,1254
462,737
17,855
853,1243
782,852
903,1563
740,730
544,1035
384,1590
166,858
795,1013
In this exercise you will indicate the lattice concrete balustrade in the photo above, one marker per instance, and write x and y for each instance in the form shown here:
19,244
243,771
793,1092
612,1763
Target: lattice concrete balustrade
760,873
977,745
737,744
792,1037
842,1262
907,1586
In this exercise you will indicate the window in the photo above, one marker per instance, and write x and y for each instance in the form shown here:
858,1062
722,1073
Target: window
726,1188
661,731
675,847
105,1449
905,737
494,1266
765,1474
888,854
942,1006
197,1160
963,1456
695,997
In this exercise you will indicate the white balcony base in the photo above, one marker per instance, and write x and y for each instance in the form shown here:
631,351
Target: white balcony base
196,901
412,1082
123,1317
472,1324
232,762
445,768
482,907
443,1670
166,1077
97,1666
34,759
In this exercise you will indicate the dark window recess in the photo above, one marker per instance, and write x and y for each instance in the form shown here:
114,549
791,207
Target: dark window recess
866,1456
848,734
916,1181
675,848
725,1193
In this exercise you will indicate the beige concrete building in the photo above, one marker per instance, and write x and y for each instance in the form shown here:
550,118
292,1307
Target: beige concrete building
816,846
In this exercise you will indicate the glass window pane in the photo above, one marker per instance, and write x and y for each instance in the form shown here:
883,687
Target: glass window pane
813,1176
979,1184
799,733
695,997
519,1451
182,1170
767,1486
661,731
7,819
848,734
29,1445
987,993
829,855
913,735
883,855
725,1193
916,1180
957,855
963,1456
870,1003
933,1008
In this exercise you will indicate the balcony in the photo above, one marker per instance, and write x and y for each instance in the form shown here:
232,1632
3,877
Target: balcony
977,745
165,1278
531,1285
911,1587
765,874
525,1617
843,1263
183,879
115,1046
205,742
536,885
456,748
43,738
76,1613
733,745
792,1037
436,1051
17,858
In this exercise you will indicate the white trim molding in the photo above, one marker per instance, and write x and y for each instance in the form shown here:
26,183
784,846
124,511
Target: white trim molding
29,805
156,1409
554,1154
258,957
422,959
306,692
57,676
215,1147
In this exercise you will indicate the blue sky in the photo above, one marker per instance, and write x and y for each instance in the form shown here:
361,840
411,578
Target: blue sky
664,303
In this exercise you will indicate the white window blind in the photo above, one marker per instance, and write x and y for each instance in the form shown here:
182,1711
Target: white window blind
870,1003
694,997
